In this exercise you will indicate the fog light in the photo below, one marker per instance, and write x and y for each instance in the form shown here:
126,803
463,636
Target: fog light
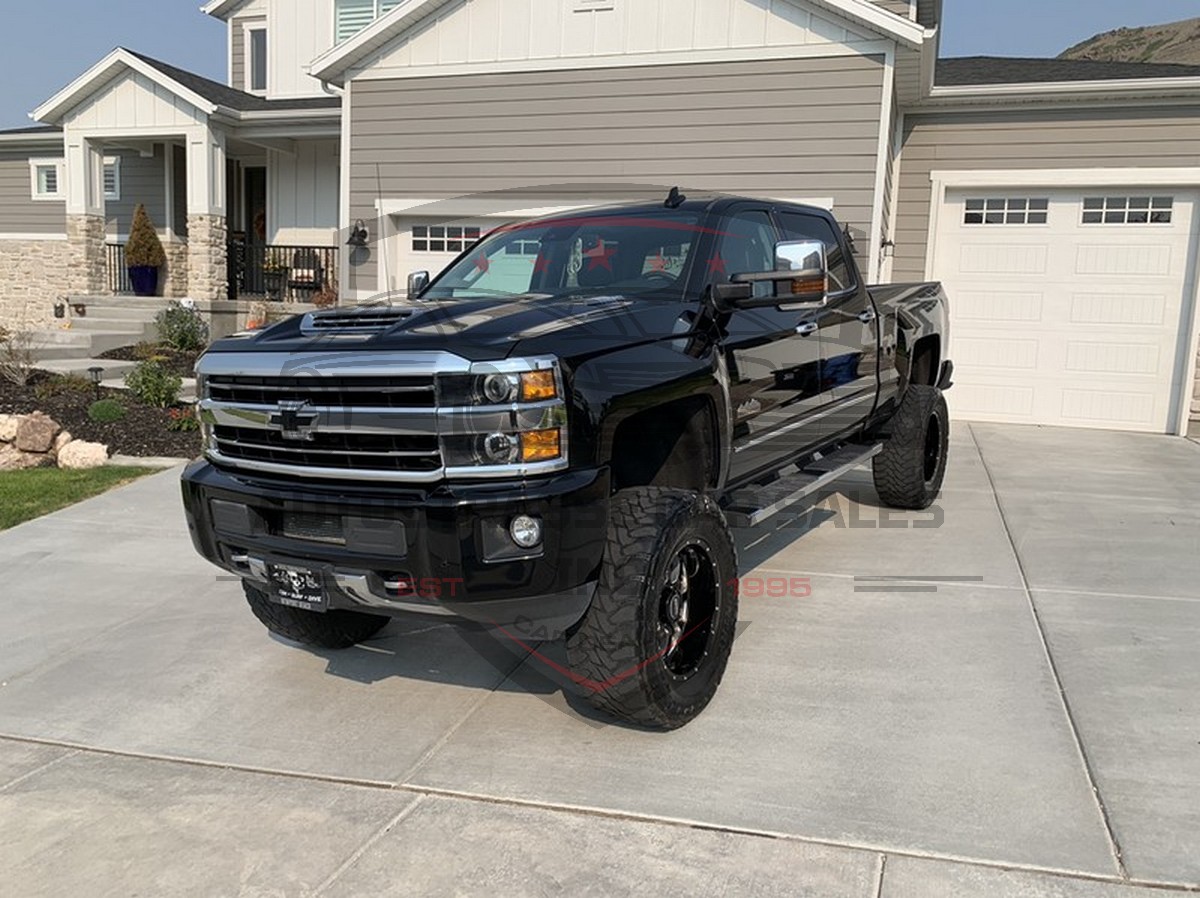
525,531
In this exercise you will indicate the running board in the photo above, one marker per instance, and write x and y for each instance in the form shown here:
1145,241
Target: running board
751,506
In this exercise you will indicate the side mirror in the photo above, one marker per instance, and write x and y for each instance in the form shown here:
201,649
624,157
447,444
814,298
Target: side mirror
800,278
417,282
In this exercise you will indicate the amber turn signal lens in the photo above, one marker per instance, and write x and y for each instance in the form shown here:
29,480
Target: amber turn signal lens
541,445
537,386
809,287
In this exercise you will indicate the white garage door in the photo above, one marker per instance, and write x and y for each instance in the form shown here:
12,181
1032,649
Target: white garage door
1067,306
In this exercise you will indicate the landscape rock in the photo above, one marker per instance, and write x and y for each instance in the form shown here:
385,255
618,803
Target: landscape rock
79,455
36,433
13,459
8,427
61,440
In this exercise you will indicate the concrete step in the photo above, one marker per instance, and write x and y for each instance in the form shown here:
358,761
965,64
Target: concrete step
147,303
125,313
141,330
76,344
114,369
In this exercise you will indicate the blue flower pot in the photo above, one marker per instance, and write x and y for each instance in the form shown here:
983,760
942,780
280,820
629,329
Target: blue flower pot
144,279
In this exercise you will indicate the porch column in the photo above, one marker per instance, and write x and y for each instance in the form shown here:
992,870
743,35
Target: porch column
206,215
86,266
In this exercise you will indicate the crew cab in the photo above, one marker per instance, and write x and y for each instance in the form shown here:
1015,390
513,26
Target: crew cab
554,436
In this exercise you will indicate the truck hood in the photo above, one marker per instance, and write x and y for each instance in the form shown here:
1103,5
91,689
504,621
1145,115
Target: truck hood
488,329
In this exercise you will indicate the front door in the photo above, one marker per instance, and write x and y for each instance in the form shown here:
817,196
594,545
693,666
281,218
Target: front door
848,326
773,356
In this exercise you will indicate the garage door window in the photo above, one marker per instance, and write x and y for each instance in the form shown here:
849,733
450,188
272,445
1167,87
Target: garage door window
1128,210
442,239
1011,211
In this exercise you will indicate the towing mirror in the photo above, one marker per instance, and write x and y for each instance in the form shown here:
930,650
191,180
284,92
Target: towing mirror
801,277
417,282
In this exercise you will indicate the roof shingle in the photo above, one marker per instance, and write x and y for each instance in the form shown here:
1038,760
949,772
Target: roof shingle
977,71
231,98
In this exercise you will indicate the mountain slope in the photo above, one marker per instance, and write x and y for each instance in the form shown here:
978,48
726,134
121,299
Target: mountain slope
1177,42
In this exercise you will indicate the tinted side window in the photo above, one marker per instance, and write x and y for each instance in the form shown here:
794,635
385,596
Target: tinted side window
797,226
747,245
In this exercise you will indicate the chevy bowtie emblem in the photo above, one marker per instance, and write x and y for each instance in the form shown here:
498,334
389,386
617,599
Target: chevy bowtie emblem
295,420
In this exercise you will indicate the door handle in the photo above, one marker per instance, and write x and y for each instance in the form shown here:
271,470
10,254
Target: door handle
867,317
807,329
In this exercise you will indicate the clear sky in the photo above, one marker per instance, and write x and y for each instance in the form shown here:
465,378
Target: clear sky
44,44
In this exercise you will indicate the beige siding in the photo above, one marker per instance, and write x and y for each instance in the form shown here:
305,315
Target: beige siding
142,181
1111,138
19,212
899,7
780,127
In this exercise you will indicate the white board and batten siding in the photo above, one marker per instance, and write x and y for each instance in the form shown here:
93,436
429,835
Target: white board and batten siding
505,34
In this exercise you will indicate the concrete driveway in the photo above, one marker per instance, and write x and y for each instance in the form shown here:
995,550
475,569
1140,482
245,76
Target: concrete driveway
1018,716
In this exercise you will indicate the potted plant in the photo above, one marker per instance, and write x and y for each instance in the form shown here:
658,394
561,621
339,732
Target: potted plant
144,254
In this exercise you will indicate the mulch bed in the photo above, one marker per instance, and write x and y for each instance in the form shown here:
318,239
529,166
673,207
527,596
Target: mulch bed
181,363
142,432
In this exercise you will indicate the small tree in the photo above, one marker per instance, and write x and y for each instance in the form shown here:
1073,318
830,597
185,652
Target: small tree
144,249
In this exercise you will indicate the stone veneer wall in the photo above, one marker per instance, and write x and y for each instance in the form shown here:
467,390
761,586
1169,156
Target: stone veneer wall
207,248
33,276
175,277
87,274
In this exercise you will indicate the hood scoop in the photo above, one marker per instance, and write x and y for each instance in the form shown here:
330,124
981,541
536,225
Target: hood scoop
354,322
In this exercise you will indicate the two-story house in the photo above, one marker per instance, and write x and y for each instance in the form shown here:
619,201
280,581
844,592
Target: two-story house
1058,200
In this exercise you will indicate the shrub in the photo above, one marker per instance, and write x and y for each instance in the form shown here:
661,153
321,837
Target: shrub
154,385
63,385
181,328
16,357
106,411
183,419
144,248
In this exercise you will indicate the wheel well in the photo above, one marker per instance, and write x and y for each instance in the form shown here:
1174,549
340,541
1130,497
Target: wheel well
926,361
671,445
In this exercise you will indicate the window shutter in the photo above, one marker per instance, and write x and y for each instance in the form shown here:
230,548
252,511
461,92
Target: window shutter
386,6
353,16
110,180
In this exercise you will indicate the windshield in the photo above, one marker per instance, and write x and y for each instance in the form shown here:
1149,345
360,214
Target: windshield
583,254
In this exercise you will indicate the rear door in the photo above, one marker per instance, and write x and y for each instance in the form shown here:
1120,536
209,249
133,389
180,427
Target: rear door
773,356
849,328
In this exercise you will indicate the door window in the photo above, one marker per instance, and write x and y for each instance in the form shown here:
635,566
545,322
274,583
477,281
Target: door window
798,226
747,246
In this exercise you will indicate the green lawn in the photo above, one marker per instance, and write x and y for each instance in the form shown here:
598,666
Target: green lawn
25,495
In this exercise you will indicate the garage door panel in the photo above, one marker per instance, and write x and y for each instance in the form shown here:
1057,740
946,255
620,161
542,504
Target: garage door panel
1109,259
1060,318
1136,309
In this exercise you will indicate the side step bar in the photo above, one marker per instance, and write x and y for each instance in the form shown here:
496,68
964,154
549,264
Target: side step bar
750,506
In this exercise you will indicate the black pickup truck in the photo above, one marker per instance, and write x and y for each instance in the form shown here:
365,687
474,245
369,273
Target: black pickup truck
554,436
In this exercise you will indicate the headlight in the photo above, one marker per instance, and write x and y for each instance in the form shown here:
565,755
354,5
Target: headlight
503,419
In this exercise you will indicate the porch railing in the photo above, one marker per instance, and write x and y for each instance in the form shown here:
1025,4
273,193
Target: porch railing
118,274
281,273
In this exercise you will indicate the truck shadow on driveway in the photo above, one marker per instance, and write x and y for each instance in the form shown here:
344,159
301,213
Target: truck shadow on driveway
460,653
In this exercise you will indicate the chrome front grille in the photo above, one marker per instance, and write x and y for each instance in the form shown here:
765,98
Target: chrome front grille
348,451
361,415
330,392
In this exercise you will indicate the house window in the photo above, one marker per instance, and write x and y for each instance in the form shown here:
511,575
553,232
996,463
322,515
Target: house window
256,64
1011,211
354,15
47,179
441,239
112,178
1128,210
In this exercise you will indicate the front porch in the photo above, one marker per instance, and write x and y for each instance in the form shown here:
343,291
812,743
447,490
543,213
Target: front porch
243,192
